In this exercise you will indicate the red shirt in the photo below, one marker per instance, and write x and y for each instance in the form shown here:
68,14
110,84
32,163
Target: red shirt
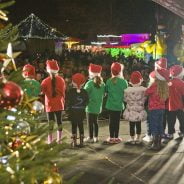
54,103
176,92
154,101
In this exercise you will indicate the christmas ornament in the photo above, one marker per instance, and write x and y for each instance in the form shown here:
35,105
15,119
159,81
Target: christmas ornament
10,95
22,128
16,143
27,102
55,178
38,106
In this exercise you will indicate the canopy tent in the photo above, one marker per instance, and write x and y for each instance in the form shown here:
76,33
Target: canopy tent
39,36
33,27
176,6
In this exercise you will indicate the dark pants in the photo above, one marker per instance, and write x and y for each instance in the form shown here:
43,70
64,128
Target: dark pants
77,118
52,116
133,125
148,127
172,115
165,119
114,120
92,120
156,121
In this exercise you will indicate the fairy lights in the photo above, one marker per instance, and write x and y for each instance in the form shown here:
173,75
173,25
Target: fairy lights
33,27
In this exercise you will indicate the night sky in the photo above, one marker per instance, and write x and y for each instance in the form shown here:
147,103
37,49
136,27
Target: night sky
87,18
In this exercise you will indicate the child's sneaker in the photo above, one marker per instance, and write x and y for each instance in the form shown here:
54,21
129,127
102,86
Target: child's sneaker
95,139
117,140
89,140
147,138
109,141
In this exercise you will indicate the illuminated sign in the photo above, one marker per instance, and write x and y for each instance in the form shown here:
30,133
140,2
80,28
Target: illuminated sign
127,39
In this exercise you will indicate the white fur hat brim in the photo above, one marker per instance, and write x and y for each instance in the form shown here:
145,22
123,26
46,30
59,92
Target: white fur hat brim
158,76
52,71
92,75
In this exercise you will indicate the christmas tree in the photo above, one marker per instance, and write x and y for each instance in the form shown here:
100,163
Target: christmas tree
24,155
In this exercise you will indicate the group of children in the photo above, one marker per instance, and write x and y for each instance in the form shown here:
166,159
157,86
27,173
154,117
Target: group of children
164,93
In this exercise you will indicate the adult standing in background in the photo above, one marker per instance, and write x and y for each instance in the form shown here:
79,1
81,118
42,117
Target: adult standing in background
54,89
115,87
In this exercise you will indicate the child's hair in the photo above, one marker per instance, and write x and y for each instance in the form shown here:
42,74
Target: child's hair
53,81
97,81
162,89
114,80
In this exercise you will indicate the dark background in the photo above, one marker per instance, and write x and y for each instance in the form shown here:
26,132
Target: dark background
87,18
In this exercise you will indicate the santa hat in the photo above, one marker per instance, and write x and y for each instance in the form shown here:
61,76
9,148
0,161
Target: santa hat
162,74
78,80
94,70
161,63
28,71
176,71
136,78
116,69
52,66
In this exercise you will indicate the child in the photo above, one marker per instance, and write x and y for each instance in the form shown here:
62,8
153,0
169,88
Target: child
115,87
134,112
95,88
175,102
30,86
54,89
158,93
77,100
147,138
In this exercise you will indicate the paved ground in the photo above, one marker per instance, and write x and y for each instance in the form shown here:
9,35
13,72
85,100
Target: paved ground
124,164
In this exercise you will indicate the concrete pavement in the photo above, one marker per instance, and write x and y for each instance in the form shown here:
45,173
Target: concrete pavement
123,164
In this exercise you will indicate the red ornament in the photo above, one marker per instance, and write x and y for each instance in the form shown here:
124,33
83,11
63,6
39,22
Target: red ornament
10,95
16,143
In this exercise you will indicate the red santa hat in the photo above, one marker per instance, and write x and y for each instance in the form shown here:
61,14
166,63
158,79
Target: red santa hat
136,78
78,80
161,63
116,69
28,71
162,74
94,70
176,71
52,66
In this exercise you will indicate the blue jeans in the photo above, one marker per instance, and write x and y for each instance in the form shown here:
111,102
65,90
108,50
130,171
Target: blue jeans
156,121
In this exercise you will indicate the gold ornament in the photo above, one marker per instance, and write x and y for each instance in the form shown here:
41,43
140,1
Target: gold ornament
55,178
27,102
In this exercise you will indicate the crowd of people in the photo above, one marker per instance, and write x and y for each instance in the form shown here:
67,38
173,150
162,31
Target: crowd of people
81,89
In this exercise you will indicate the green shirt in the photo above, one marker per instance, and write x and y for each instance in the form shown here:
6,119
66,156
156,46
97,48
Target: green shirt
95,97
31,87
115,93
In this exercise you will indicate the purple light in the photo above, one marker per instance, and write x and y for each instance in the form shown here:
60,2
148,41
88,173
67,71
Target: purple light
127,39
